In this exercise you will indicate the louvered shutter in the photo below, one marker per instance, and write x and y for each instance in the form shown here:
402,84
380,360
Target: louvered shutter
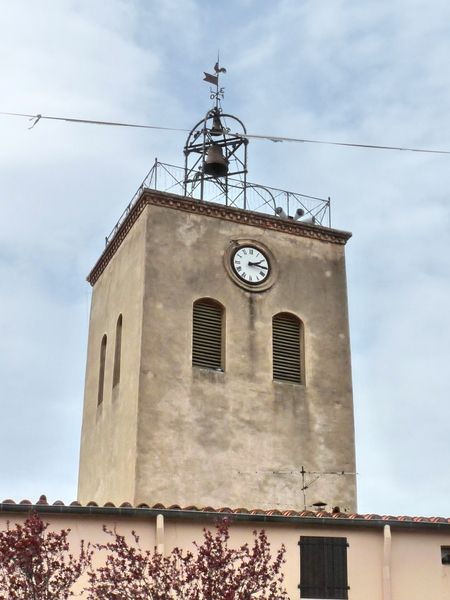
287,348
207,335
323,567
312,567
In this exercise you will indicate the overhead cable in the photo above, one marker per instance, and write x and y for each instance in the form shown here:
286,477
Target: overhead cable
38,117
272,138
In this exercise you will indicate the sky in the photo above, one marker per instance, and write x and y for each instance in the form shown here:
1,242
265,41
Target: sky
372,72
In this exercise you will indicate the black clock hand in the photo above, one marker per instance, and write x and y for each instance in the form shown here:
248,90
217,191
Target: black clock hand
256,264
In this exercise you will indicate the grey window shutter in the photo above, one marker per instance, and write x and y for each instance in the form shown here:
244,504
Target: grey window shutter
336,567
207,328
287,338
312,567
323,567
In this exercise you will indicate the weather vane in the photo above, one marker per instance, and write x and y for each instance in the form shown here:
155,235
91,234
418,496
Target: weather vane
218,93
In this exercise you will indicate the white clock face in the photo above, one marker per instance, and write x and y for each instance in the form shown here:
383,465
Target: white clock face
250,264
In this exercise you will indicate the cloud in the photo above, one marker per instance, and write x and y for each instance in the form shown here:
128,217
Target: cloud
334,70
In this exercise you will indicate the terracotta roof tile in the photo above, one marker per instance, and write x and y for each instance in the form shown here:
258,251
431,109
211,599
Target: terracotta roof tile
439,520
290,513
307,513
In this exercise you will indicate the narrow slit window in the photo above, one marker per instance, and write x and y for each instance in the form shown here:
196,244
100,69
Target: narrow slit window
207,334
287,346
117,352
101,375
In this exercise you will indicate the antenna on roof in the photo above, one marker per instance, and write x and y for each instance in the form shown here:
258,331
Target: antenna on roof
306,484
317,475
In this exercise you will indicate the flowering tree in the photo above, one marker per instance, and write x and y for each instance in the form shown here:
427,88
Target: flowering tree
130,573
35,564
218,572
214,571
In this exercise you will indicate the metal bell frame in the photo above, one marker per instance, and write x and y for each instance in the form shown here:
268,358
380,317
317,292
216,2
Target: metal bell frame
203,136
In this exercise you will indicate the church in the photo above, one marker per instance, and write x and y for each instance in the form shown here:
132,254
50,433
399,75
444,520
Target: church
218,364
218,383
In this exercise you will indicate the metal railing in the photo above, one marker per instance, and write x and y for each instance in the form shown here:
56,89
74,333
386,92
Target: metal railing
230,192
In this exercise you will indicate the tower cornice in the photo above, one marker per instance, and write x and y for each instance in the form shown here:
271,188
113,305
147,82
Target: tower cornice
216,211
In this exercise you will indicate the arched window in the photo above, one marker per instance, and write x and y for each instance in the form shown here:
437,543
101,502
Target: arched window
207,334
287,345
101,375
117,352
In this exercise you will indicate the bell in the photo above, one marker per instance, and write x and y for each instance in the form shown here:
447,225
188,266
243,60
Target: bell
215,162
216,128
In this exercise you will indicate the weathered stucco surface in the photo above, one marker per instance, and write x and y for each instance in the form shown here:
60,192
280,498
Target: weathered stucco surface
185,435
411,569
109,431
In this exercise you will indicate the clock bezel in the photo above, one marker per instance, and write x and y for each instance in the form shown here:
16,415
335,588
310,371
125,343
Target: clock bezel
253,247
255,286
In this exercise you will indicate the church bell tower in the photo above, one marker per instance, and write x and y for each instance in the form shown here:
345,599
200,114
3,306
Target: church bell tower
218,369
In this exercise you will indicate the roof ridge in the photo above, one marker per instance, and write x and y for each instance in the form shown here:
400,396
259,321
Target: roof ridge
287,513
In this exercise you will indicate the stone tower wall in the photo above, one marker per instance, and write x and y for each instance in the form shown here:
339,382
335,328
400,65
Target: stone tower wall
179,434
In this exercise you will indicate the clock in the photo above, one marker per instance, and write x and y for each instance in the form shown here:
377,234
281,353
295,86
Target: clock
250,264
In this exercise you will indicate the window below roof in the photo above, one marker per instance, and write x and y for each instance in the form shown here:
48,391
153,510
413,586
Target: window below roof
323,567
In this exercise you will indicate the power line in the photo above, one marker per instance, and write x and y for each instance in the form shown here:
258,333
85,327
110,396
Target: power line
38,117
370,146
272,138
